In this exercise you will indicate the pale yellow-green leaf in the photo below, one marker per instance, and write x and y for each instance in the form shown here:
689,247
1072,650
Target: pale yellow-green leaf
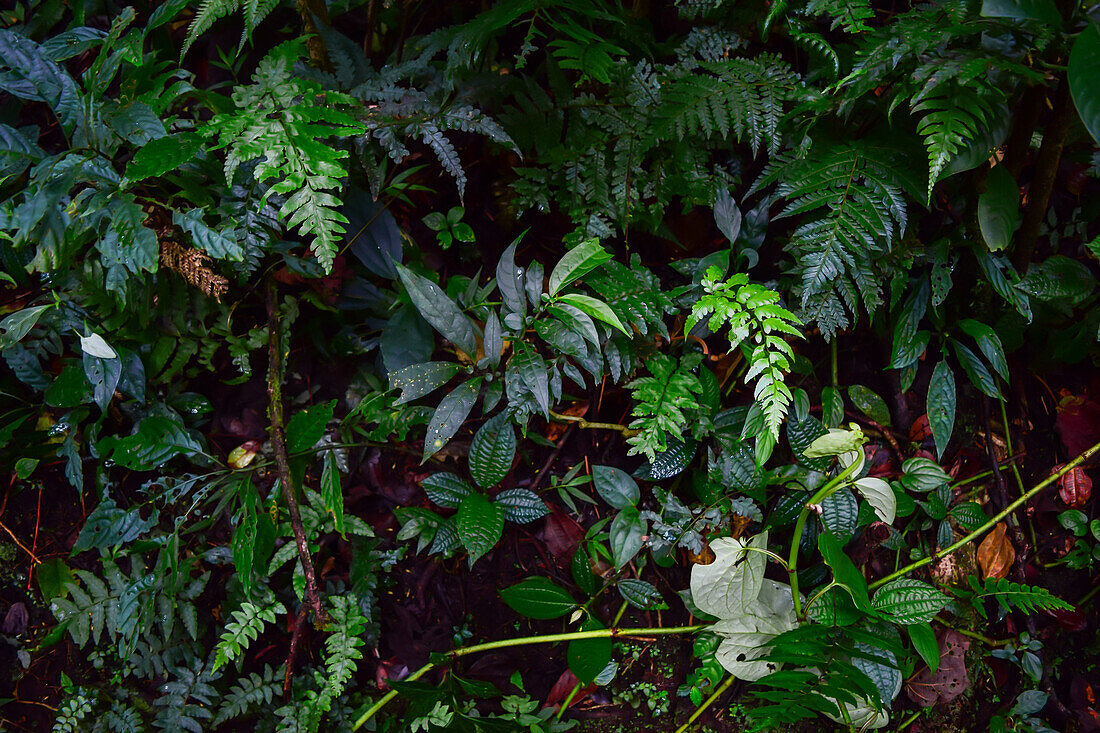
880,496
727,586
836,442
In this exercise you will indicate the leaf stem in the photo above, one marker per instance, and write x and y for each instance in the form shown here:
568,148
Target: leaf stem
526,641
706,704
582,423
800,527
1089,453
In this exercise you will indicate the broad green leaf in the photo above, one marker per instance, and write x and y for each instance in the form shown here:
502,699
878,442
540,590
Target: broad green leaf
307,426
627,530
588,657
581,569
108,526
922,474
924,642
1084,82
909,601
1044,11
417,380
440,311
582,259
68,389
243,543
845,573
989,343
882,670
521,505
52,576
331,493
103,375
999,209
840,513
969,514
156,439
941,405
493,344
728,585
492,451
511,282
446,489
726,215
17,325
220,243
669,462
835,608
450,415
870,404
641,594
836,442
538,598
1059,278
597,309
832,407
616,487
162,155
880,496
480,525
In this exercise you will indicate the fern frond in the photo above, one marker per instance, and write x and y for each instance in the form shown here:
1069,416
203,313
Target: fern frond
72,711
758,323
742,97
848,15
209,13
246,624
664,401
1029,598
249,692
188,699
634,294
852,208
951,117
342,645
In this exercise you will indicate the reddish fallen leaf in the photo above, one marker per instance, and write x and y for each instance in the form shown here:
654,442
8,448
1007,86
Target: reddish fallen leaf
555,430
243,454
920,430
950,680
995,554
1078,423
561,689
561,533
1075,487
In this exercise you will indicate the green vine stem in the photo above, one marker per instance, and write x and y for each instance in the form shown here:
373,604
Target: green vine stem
1089,453
526,641
706,704
800,527
582,423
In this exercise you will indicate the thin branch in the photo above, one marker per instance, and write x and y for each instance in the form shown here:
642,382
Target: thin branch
582,423
278,444
992,522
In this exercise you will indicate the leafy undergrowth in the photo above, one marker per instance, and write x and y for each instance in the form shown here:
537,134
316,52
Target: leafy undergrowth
549,366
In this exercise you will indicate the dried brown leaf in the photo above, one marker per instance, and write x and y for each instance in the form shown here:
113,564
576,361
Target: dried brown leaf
995,554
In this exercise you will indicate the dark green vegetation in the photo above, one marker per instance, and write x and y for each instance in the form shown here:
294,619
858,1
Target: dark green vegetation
547,365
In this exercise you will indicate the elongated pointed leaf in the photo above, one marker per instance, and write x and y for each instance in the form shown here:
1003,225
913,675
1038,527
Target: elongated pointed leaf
582,259
615,486
1084,82
492,451
999,209
417,380
909,601
521,505
595,308
331,493
845,573
449,416
941,405
538,598
480,524
989,343
440,311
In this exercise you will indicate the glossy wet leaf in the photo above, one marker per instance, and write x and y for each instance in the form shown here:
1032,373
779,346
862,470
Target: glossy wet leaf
941,405
450,415
538,598
521,506
480,524
492,451
909,601
615,486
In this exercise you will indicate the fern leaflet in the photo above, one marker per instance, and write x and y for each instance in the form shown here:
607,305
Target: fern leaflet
247,623
663,399
1028,598
757,323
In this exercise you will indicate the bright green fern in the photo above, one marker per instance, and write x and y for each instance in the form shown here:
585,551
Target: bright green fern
1028,598
757,323
664,401
247,623
282,121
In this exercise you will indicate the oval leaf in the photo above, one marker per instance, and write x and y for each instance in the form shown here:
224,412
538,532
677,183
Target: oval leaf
492,451
909,601
538,598
480,524
999,209
521,505
616,487
449,416
641,594
941,405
